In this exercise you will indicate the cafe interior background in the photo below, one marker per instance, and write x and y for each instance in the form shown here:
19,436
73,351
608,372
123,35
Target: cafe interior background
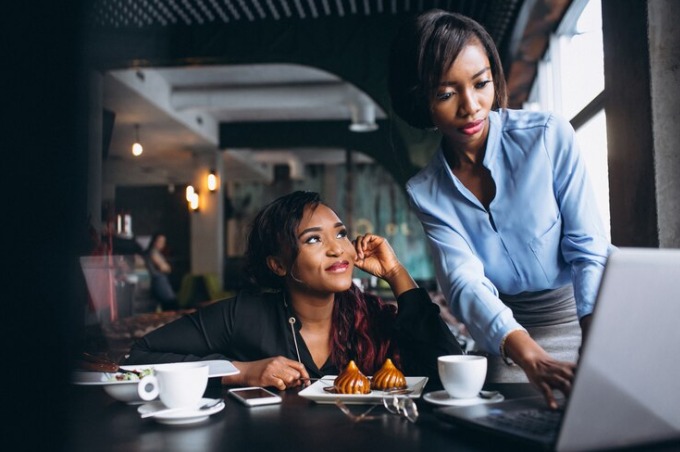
264,98
273,96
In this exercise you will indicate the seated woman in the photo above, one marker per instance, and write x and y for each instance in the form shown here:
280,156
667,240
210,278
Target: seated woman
308,319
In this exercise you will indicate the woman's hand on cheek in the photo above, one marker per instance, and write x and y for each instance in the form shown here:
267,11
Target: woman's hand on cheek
278,372
375,255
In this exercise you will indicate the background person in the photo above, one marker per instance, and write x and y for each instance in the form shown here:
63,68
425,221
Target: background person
159,272
505,202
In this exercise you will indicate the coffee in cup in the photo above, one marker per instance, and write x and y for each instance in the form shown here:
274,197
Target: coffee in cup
178,385
462,375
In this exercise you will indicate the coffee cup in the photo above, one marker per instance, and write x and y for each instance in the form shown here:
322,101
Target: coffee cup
178,385
462,375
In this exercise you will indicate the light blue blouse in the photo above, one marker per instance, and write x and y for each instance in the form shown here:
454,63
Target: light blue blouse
542,229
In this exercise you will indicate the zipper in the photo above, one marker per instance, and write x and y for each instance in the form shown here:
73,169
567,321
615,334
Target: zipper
291,321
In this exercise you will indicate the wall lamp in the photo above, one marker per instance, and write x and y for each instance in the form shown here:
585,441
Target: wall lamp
212,181
192,198
193,204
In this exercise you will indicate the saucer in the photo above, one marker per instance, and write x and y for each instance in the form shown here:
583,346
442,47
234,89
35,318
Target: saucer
442,398
179,417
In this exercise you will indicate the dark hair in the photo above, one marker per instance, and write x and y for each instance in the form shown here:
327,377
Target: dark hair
423,50
273,232
369,344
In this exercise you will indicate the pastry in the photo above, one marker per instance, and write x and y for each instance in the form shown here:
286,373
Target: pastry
352,381
388,377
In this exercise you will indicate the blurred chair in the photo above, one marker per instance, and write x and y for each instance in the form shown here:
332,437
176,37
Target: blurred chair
214,287
185,295
199,289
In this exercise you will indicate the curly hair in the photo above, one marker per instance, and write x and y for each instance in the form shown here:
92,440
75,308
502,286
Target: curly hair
361,323
423,50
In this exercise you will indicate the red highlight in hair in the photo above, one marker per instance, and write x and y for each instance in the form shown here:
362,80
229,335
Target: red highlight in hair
362,331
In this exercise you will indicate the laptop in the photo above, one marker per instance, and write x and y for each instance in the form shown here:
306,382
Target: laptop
626,391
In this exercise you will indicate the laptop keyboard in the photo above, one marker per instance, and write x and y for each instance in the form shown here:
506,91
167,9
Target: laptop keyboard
535,421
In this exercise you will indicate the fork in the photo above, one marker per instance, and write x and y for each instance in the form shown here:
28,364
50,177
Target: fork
317,379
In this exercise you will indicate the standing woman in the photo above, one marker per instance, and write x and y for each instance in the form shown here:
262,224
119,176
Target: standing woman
306,318
505,202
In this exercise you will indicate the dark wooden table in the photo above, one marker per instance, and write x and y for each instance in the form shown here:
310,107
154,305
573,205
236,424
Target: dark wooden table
101,423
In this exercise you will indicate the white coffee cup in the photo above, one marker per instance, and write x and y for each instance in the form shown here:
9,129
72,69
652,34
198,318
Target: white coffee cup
178,385
462,375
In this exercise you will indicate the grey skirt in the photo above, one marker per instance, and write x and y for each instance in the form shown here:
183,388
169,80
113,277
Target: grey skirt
550,318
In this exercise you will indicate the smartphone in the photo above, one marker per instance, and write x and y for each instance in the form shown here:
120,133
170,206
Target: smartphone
254,396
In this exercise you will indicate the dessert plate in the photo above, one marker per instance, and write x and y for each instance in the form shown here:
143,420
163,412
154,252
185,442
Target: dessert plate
317,393
179,417
443,398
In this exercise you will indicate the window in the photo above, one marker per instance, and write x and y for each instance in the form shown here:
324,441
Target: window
570,82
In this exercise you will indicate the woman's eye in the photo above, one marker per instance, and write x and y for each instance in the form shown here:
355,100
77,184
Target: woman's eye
483,84
342,234
313,239
445,96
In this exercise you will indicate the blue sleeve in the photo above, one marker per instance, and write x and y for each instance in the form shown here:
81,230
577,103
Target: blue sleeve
584,243
472,296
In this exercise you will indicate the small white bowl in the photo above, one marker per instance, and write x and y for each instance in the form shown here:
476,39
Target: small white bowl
124,392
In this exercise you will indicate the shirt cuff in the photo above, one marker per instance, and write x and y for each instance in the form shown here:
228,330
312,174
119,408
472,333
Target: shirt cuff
501,347
498,329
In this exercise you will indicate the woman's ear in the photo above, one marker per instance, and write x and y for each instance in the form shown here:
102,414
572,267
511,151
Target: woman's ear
275,265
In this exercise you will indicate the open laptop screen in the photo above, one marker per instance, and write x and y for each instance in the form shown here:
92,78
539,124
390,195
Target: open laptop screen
627,386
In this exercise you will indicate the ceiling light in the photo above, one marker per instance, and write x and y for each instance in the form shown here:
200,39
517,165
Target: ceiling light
363,118
189,192
137,148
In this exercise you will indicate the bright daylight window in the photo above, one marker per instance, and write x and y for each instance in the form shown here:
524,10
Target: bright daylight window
570,82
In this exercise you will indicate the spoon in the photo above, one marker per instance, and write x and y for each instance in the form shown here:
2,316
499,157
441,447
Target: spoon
207,406
488,394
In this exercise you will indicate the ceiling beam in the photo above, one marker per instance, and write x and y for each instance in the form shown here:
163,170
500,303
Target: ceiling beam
378,144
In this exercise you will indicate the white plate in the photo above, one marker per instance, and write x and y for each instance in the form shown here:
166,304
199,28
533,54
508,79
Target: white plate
442,398
316,392
180,417
126,390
